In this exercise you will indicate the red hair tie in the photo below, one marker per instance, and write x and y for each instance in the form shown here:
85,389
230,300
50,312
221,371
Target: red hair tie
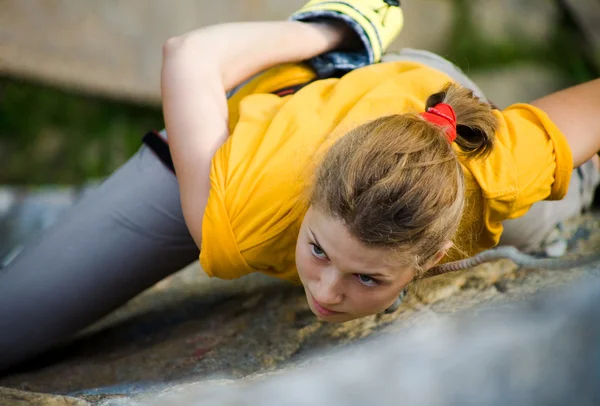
442,114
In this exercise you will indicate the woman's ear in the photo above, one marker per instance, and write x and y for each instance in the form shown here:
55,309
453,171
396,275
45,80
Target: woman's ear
439,255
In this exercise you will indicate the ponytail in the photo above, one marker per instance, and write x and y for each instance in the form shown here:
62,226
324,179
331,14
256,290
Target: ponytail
476,125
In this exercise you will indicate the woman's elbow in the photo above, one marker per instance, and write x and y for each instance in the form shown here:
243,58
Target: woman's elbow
188,43
178,55
174,45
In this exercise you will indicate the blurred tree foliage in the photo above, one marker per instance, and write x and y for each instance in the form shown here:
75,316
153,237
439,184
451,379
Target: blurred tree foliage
564,50
53,136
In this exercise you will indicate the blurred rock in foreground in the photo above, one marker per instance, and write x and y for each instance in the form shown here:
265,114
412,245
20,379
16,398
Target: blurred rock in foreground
13,397
543,353
193,333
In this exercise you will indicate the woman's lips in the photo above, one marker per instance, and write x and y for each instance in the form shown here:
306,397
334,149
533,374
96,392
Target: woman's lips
323,311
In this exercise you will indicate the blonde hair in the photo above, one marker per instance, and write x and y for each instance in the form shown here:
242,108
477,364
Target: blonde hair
397,182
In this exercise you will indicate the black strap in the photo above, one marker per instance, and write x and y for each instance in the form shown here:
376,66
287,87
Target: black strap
160,147
290,89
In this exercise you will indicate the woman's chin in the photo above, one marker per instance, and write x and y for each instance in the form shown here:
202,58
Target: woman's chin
333,318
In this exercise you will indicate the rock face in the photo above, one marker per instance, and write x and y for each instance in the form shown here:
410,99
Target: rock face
109,47
24,214
191,333
545,352
518,83
114,47
586,15
528,20
13,397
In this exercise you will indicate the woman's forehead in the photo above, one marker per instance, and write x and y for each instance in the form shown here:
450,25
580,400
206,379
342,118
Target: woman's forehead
342,247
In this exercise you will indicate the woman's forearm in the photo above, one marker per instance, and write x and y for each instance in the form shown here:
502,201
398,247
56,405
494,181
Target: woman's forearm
576,111
241,50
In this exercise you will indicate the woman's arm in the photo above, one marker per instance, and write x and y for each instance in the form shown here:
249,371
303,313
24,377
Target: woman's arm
576,111
199,67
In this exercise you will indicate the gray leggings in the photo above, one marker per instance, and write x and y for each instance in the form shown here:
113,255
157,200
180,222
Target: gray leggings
118,240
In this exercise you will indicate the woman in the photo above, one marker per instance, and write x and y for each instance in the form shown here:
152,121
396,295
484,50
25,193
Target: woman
352,186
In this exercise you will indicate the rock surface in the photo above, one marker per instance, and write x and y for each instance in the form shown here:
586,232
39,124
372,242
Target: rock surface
517,83
528,20
543,352
13,397
109,47
114,47
587,16
190,331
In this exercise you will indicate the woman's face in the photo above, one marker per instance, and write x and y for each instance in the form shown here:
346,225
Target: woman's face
344,279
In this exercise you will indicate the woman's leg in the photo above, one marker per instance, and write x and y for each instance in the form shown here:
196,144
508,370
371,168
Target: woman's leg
530,232
118,240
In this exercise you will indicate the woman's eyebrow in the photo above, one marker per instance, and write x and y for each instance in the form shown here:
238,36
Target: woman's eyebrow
316,241
376,275
366,273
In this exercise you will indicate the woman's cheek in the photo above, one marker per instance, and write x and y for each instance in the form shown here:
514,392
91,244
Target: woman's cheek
305,264
370,302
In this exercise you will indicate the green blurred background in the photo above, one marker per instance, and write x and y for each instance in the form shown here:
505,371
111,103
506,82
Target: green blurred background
52,135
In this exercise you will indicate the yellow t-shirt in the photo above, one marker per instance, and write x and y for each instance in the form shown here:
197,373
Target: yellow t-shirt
261,177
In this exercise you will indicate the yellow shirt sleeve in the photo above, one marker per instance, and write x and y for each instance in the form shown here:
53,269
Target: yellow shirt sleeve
541,153
530,162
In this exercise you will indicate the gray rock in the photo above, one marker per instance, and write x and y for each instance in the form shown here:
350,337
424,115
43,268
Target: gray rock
111,48
532,20
191,334
587,16
114,48
26,212
13,397
428,25
543,353
518,83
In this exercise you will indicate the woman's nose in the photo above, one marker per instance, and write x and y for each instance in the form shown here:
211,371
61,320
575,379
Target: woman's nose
329,288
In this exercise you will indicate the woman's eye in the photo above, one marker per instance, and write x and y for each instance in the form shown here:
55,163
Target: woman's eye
317,251
366,280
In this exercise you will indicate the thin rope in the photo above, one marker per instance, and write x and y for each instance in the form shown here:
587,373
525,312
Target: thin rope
518,257
506,252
